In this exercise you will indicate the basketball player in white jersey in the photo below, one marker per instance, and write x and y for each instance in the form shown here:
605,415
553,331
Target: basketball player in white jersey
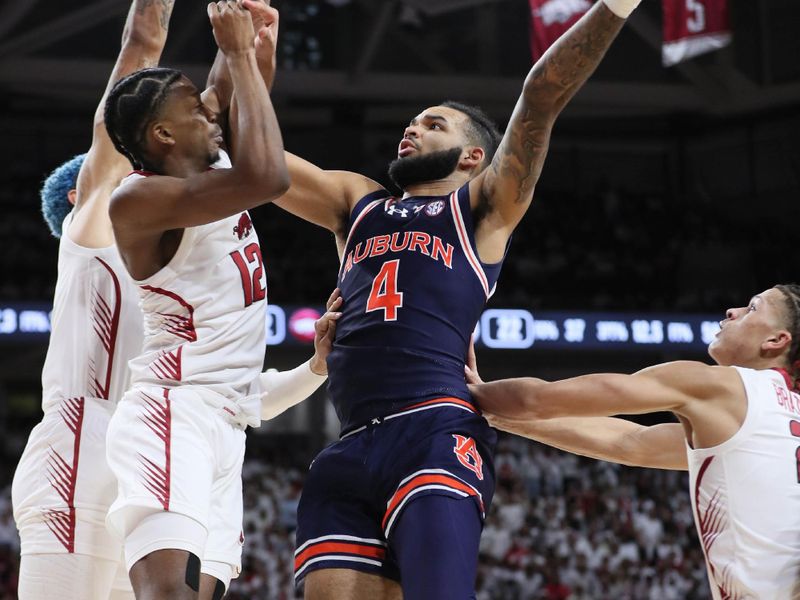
176,442
63,487
739,437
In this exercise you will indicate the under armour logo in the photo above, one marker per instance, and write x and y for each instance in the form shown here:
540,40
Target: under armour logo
377,421
390,208
467,453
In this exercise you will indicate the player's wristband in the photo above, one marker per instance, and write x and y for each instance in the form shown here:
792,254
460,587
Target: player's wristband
280,390
622,8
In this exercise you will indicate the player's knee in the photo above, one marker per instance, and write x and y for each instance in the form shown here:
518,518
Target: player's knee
167,574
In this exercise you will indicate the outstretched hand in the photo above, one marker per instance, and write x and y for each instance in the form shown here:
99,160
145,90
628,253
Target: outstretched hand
325,333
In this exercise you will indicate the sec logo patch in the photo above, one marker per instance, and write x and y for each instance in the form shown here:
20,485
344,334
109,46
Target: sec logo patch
434,208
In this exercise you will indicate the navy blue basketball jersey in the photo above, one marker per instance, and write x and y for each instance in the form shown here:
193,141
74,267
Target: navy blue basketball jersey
413,289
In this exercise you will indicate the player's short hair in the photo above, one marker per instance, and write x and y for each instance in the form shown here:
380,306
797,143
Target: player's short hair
55,202
132,104
791,292
481,130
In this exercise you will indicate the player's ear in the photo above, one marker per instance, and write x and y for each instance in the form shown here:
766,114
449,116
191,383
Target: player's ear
777,343
72,196
162,133
471,157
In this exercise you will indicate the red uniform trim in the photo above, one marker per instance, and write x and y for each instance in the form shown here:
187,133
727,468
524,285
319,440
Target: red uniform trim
448,400
427,479
322,548
64,477
106,327
461,230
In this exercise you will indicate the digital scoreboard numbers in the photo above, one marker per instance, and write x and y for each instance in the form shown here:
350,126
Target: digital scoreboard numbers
498,328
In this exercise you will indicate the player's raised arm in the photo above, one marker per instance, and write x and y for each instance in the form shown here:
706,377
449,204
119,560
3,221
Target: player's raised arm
322,197
506,187
266,20
675,386
180,135
607,438
143,40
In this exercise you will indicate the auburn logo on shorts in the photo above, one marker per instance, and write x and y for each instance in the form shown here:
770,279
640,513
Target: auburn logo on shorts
467,453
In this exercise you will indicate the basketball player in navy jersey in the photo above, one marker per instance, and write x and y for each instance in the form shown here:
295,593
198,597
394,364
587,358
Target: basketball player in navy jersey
397,505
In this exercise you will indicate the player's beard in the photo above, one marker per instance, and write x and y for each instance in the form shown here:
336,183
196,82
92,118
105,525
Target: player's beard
424,167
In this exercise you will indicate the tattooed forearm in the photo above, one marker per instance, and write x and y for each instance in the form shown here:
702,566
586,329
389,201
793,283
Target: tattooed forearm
164,8
554,79
575,56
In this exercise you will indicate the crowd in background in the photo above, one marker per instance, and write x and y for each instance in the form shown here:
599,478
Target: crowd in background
608,251
560,528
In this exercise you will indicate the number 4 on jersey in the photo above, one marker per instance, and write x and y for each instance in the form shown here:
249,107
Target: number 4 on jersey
384,295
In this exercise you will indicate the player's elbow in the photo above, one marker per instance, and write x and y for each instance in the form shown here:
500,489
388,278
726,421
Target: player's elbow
279,183
147,44
545,93
266,184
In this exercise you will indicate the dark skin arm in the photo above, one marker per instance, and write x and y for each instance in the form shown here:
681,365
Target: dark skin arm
147,212
322,197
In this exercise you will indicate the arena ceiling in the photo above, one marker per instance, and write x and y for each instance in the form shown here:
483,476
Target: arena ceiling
378,61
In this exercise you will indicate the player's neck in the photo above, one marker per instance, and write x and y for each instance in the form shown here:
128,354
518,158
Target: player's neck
182,166
440,187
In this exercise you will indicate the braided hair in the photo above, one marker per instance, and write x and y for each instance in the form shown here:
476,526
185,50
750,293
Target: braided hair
791,292
131,106
481,130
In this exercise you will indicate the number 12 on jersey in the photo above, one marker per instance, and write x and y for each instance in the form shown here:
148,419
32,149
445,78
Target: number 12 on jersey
253,285
384,295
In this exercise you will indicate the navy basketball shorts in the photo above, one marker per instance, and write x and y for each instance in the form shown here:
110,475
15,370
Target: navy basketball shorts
356,510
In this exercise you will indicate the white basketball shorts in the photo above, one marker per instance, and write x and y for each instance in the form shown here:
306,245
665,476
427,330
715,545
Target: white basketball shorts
63,487
178,465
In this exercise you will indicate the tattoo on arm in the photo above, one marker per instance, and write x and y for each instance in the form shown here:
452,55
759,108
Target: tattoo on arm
552,82
164,6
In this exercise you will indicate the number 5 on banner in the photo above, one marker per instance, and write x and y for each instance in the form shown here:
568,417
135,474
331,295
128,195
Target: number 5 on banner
696,20
384,295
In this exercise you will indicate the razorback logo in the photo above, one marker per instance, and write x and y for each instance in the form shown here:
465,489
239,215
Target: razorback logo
243,228
467,453
560,11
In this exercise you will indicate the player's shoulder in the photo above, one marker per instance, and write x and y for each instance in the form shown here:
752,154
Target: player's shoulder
355,186
137,190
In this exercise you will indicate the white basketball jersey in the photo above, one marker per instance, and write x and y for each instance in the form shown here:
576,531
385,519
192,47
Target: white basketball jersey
96,326
746,496
205,316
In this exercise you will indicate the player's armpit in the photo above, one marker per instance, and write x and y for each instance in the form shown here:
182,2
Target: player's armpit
607,438
322,197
